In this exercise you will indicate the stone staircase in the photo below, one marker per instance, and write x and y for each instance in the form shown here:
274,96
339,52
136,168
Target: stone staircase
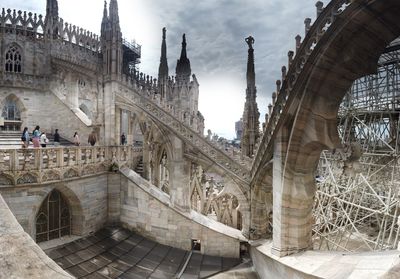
139,169
163,113
12,139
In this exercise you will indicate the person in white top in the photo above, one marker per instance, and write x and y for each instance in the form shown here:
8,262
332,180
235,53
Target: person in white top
43,139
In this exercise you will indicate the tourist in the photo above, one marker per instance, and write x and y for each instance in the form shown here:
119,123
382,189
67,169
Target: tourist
25,138
77,142
56,138
43,139
92,138
36,137
123,139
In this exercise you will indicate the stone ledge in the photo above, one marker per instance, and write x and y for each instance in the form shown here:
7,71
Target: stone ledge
322,264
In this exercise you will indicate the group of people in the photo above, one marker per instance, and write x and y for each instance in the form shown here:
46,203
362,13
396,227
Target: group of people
39,138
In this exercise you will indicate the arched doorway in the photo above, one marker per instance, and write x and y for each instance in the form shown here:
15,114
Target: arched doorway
54,218
11,113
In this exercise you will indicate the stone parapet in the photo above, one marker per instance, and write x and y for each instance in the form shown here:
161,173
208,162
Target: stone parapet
37,166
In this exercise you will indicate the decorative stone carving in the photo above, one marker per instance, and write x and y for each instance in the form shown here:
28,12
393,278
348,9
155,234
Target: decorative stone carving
27,178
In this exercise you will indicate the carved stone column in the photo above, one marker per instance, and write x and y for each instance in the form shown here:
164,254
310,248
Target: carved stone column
179,176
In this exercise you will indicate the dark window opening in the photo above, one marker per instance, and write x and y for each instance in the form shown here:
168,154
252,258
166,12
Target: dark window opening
196,245
13,60
53,219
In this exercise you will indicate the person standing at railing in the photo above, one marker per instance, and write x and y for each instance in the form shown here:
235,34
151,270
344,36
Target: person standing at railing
92,138
25,138
36,137
56,138
77,141
43,139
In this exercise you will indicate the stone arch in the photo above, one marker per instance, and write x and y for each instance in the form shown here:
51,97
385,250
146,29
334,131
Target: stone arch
14,112
340,57
75,206
14,58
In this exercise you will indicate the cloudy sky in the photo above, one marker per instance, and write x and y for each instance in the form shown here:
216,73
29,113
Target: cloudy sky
215,31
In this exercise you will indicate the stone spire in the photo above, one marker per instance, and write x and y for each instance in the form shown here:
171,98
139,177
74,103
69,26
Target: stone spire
111,41
163,69
251,115
183,70
104,21
52,9
114,17
51,18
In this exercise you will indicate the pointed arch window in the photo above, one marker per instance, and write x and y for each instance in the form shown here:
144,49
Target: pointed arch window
11,111
13,59
53,219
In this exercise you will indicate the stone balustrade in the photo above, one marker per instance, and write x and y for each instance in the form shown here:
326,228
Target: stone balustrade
288,89
47,165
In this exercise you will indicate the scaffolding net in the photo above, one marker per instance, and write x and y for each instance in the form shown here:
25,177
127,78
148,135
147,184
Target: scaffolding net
358,199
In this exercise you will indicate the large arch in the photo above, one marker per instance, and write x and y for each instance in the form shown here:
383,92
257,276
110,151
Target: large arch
349,49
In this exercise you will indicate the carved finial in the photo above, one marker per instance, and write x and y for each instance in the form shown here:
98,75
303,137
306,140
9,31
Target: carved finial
307,25
278,86
298,42
269,109
273,98
290,56
250,41
283,72
320,7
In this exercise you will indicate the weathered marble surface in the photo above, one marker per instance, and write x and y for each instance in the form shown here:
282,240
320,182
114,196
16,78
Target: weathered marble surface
148,210
20,257
321,264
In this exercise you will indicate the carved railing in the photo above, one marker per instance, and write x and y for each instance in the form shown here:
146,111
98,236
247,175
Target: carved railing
47,165
326,18
159,111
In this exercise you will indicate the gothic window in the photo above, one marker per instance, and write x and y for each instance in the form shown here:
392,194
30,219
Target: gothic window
53,219
11,111
13,62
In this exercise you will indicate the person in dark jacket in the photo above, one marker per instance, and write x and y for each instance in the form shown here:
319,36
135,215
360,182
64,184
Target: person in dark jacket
123,139
56,138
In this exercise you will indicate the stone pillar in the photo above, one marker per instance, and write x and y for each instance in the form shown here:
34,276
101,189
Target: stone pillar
261,202
293,200
118,123
114,198
179,176
109,113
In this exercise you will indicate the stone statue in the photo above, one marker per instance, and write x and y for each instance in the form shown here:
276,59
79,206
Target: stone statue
250,41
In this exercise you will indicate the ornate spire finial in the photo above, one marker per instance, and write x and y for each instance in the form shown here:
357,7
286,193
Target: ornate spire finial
183,70
250,41
251,114
163,68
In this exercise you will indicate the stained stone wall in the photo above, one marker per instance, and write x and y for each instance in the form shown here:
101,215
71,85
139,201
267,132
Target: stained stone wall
87,199
46,110
147,210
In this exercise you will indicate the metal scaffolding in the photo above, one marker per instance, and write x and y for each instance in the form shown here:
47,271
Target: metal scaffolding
357,204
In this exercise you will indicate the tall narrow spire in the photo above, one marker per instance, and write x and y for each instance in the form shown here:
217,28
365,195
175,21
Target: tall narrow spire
104,21
183,70
114,17
163,69
251,115
52,9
